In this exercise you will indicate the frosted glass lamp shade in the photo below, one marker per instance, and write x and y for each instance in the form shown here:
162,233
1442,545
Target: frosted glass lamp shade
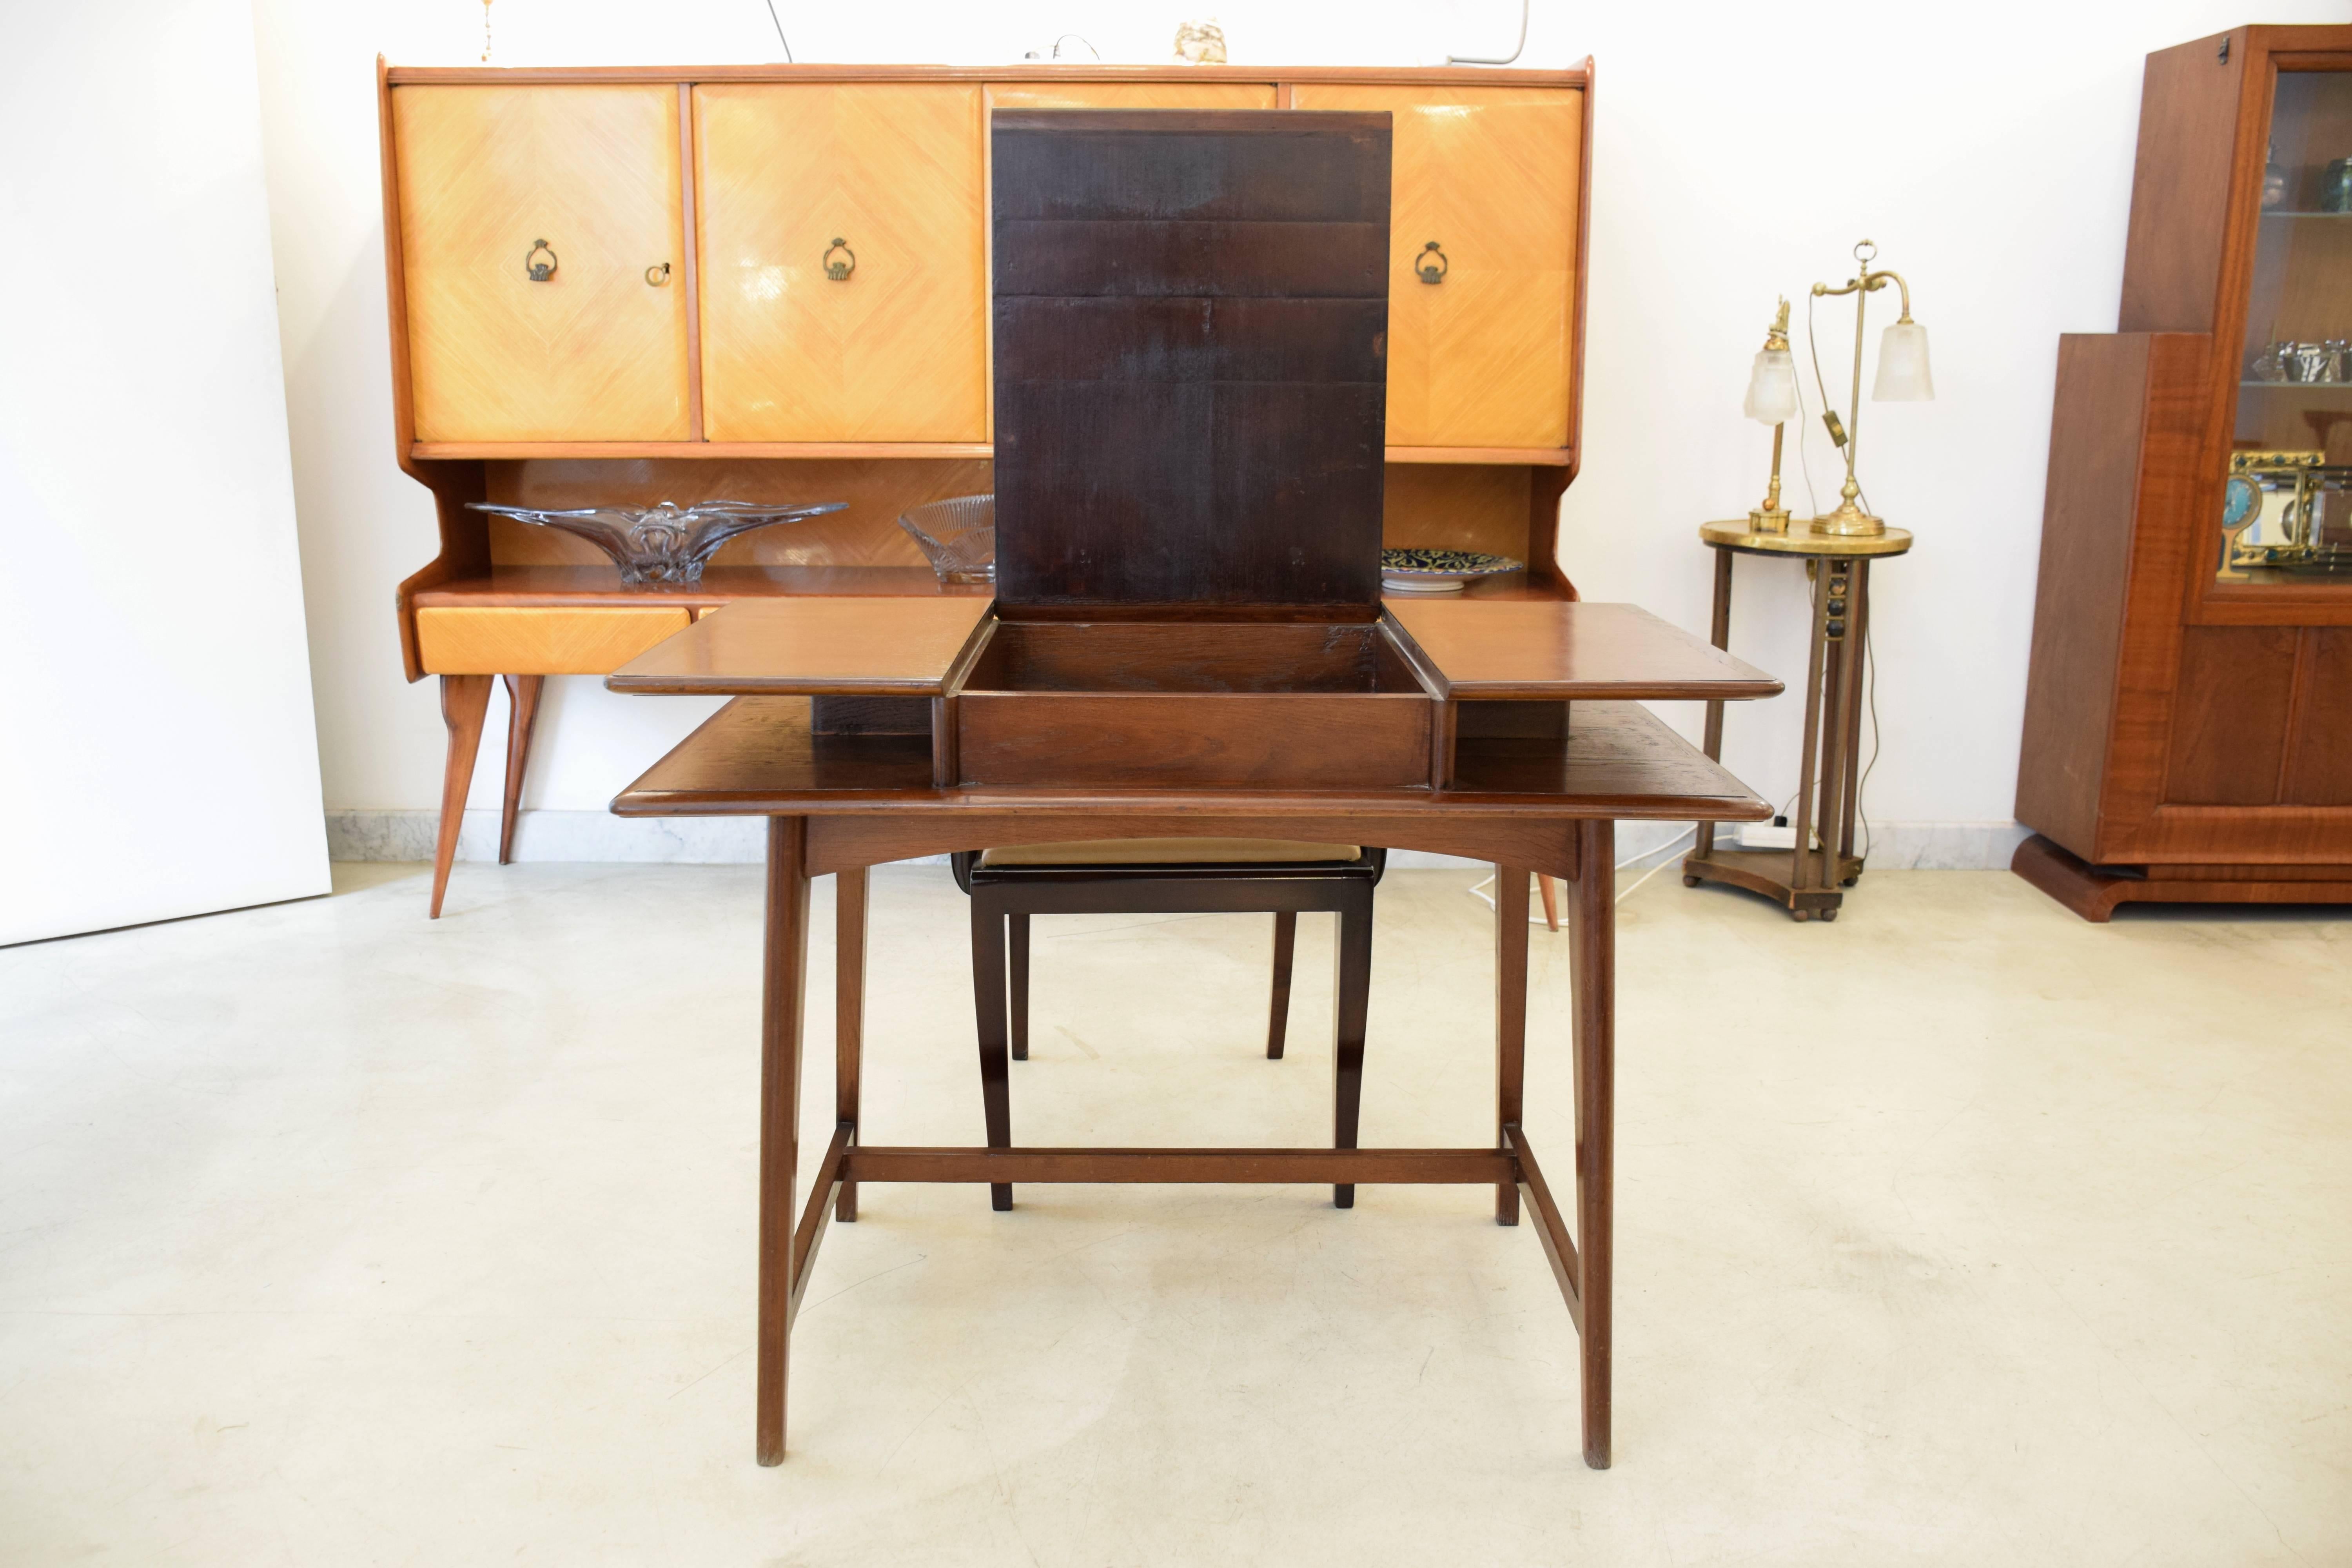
1903,366
1772,388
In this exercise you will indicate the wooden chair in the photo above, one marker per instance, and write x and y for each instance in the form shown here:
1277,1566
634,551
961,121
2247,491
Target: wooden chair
1171,876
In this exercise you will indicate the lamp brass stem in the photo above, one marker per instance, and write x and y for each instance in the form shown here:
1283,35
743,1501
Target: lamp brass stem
1848,519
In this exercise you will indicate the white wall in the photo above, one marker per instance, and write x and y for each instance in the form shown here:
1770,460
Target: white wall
1740,149
156,751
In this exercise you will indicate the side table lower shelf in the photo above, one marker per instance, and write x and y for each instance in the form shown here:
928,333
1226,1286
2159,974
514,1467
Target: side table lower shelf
1776,874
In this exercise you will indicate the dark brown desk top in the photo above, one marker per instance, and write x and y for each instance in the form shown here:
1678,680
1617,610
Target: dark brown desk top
1533,649
757,757
884,647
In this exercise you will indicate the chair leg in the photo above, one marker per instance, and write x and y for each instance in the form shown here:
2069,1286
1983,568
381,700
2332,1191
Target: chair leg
522,712
1549,890
464,700
1286,940
1353,997
988,1010
1019,920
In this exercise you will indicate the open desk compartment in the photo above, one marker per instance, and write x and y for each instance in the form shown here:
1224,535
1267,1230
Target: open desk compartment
1263,704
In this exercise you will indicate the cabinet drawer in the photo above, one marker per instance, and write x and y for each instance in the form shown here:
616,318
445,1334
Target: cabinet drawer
467,640
881,183
1483,357
590,351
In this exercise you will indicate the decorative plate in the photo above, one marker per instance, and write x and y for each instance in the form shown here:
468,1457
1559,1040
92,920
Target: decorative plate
2239,500
1440,571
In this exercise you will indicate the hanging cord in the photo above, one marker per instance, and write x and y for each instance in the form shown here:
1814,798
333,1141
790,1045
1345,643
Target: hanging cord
783,40
1506,59
1870,687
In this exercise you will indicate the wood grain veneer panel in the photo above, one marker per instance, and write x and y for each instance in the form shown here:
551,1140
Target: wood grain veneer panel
2319,750
1129,739
757,755
857,647
595,352
2229,714
535,641
1445,506
896,351
2180,187
1484,358
2088,508
1132,95
1189,416
1555,649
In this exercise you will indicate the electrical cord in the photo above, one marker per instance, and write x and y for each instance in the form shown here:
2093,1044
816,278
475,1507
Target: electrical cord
1870,689
780,31
1477,888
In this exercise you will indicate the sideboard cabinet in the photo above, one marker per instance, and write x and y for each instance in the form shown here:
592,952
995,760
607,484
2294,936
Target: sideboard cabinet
2189,712
619,286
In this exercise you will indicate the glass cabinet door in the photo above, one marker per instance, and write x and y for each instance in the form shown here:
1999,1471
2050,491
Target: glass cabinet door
2287,506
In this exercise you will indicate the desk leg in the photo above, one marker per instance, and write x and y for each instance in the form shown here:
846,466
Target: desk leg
850,890
465,702
988,1005
1351,994
781,1006
522,714
1510,1018
1593,973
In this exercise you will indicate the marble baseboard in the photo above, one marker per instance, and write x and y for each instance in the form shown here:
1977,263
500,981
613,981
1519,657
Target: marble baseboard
596,835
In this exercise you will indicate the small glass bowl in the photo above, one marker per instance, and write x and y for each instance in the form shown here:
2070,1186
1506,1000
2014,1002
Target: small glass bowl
957,536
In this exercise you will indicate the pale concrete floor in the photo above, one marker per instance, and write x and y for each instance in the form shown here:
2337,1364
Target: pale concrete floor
1958,1232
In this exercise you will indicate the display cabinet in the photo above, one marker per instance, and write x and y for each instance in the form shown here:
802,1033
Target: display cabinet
2189,714
618,286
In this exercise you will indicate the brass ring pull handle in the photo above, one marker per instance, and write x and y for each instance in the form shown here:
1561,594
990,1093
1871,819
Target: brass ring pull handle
657,275
839,271
1428,273
537,270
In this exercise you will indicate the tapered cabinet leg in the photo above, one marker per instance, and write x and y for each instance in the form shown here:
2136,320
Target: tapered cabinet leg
522,714
1593,934
988,1010
464,700
1017,923
1285,944
1352,991
1551,902
783,1002
1510,1018
850,890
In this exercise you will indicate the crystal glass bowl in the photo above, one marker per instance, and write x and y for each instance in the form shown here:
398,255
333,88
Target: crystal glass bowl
957,537
664,543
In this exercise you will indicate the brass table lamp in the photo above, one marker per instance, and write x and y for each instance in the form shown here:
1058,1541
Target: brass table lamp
1903,377
1771,400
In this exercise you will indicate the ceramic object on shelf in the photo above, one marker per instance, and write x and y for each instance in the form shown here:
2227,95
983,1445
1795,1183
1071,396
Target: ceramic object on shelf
663,543
1412,571
957,536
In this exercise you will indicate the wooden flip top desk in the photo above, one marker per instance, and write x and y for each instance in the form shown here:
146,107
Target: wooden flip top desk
845,794
1191,320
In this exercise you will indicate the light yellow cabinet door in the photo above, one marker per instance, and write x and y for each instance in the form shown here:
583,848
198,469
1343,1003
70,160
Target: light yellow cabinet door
894,348
591,351
1480,358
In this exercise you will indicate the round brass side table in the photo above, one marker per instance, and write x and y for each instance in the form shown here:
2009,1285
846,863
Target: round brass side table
1810,878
